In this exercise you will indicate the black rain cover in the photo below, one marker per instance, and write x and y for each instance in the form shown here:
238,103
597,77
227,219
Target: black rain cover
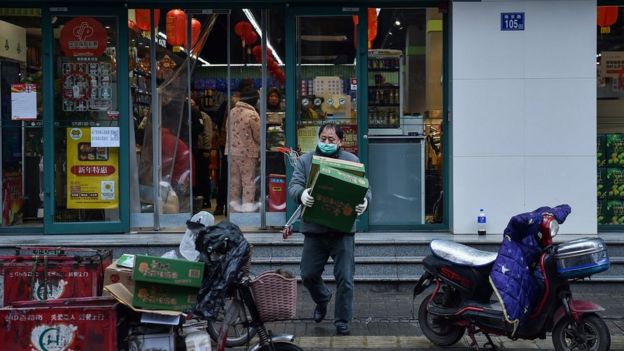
225,251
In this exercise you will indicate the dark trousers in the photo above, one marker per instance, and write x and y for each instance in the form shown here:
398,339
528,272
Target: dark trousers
317,248
203,185
222,184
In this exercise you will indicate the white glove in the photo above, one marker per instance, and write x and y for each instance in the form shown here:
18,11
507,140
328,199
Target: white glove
359,209
306,199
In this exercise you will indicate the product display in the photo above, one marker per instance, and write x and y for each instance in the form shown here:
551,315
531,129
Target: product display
384,90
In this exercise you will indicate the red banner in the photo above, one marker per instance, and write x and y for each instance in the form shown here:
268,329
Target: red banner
350,140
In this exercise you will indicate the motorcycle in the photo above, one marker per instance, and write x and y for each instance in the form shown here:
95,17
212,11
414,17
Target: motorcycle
462,298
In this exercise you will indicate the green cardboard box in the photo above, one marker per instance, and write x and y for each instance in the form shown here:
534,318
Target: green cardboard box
615,149
602,183
614,212
355,168
615,183
602,212
154,296
167,271
601,150
336,193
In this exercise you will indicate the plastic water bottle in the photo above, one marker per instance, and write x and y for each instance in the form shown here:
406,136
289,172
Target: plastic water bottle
481,222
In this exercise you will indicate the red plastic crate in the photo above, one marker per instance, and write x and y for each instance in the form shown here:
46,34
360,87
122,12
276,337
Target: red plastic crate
67,324
47,274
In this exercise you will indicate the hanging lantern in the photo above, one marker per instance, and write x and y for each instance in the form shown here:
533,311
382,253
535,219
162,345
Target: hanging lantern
132,25
372,26
607,16
142,18
176,29
250,37
195,31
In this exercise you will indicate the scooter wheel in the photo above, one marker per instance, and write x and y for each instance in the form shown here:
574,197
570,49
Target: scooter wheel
591,334
440,331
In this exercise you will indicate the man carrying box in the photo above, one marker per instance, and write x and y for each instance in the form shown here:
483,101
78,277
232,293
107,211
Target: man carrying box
321,242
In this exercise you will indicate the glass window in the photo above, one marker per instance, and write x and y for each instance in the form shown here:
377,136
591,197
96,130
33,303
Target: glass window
21,118
405,114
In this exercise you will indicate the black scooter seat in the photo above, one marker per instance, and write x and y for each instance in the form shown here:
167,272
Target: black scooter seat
461,254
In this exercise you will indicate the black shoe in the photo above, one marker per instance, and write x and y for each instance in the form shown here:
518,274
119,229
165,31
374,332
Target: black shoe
319,312
342,328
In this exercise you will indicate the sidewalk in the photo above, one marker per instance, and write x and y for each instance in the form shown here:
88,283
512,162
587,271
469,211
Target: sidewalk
383,321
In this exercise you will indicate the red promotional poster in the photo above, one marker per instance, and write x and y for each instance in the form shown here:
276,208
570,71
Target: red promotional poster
350,142
83,36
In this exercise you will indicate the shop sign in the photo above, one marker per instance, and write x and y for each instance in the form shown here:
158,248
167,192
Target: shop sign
611,64
83,36
23,101
12,42
512,21
92,172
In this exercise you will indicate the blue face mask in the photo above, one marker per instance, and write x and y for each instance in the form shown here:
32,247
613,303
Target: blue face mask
327,149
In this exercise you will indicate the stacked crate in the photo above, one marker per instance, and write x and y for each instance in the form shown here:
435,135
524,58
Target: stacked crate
610,157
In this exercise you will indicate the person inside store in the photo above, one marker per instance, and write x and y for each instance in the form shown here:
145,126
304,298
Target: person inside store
176,155
274,100
321,242
202,134
243,147
220,120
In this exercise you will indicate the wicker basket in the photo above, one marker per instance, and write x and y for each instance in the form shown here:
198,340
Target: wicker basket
275,296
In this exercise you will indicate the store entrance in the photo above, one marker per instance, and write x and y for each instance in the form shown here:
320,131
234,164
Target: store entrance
86,163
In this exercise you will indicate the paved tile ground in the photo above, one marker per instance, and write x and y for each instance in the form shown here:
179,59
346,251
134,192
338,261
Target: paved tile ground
383,320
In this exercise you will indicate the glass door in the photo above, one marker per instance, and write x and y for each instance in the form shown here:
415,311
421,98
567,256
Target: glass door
87,165
326,90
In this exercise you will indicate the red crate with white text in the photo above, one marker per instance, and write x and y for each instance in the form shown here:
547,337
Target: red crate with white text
68,324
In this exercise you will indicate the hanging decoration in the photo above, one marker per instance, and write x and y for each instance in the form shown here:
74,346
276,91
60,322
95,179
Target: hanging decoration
142,19
371,27
242,29
195,31
607,16
272,65
176,29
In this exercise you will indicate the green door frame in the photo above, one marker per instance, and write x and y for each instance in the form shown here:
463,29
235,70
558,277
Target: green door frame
291,84
123,225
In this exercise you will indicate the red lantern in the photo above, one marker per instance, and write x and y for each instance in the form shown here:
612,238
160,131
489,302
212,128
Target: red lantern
250,37
242,27
176,29
607,16
372,26
257,52
142,17
195,30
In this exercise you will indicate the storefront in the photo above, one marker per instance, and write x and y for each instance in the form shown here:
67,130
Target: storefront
452,107
85,139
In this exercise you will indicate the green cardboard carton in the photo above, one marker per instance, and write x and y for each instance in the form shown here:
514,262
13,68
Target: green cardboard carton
336,193
167,271
602,183
615,183
355,168
615,150
601,150
153,296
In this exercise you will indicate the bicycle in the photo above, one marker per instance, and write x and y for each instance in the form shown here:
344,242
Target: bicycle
227,254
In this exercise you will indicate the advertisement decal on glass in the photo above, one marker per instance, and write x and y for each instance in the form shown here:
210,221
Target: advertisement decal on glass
83,36
87,86
92,172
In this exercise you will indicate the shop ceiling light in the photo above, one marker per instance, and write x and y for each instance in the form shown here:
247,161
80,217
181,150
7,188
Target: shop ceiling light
254,23
397,23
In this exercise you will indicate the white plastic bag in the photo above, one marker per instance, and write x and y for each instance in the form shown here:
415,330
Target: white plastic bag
199,221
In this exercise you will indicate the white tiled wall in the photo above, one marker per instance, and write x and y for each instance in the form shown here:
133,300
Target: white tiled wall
524,112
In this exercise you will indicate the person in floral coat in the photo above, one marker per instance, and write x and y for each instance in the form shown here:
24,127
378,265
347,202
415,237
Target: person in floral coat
244,150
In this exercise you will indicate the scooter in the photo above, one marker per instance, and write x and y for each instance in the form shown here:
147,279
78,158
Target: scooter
462,299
